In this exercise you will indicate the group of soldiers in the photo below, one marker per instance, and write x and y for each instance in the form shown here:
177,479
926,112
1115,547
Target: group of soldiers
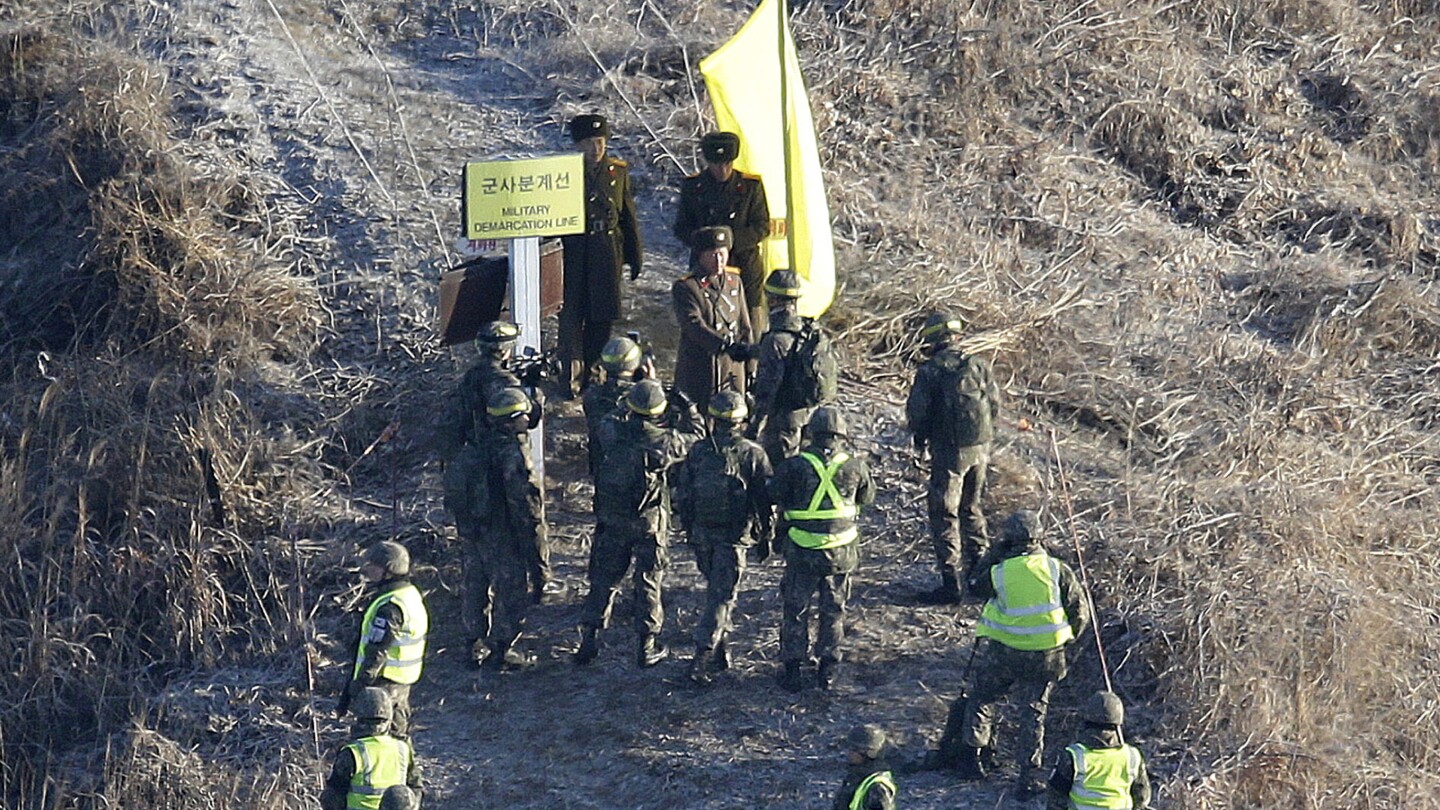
769,468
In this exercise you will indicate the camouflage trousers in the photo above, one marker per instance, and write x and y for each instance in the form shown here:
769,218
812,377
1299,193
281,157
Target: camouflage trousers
1027,677
475,599
720,556
797,586
507,580
781,434
957,519
615,546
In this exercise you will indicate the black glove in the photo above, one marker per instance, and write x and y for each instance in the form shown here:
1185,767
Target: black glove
740,352
680,400
344,705
634,271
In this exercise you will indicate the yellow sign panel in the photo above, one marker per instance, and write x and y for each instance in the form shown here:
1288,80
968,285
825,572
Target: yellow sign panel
510,199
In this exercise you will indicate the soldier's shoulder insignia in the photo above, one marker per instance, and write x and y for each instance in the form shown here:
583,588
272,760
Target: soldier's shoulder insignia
618,163
755,178
734,271
687,277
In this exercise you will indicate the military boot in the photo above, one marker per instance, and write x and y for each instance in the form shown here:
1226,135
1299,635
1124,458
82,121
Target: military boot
507,659
701,666
946,593
790,679
589,645
650,652
825,675
721,661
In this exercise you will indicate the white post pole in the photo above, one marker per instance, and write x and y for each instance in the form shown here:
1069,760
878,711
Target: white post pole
525,309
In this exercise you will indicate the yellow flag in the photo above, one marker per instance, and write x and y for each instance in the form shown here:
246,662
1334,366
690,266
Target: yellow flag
768,108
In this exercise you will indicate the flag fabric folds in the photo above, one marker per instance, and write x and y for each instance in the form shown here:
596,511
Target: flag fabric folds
766,104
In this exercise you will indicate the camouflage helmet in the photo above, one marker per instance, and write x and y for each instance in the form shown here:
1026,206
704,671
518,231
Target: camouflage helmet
507,403
399,797
868,740
1104,709
620,354
728,405
941,326
372,703
784,284
827,420
1022,529
646,398
498,332
390,556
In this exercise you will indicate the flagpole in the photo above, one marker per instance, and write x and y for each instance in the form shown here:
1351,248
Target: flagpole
784,22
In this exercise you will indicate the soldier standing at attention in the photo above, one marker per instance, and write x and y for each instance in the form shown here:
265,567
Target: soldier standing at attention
869,783
511,539
819,493
1036,609
594,260
719,195
623,363
710,309
390,648
367,768
720,500
1100,771
632,517
797,370
952,409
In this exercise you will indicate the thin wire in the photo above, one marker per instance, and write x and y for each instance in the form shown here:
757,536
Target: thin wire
1079,556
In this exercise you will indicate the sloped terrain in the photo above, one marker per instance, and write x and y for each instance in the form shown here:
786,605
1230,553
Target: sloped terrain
1200,242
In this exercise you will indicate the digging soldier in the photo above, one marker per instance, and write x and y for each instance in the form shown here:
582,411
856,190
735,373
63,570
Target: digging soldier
1035,610
623,362
819,494
797,369
1100,771
595,259
390,645
710,309
869,783
721,503
720,195
510,541
952,409
375,761
632,516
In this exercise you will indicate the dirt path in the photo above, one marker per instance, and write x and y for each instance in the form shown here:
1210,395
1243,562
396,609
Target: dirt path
371,137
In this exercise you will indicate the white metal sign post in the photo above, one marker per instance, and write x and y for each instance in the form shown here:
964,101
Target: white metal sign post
525,309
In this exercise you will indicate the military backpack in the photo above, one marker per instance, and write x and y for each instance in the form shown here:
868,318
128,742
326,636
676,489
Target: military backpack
720,498
812,374
967,400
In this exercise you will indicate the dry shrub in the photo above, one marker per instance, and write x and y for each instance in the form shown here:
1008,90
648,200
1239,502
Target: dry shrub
141,492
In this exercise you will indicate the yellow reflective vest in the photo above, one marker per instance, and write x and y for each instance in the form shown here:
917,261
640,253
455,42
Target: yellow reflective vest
824,528
1026,612
857,801
405,657
380,762
1103,776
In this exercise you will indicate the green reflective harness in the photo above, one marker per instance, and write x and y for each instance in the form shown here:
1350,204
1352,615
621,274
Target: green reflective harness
840,508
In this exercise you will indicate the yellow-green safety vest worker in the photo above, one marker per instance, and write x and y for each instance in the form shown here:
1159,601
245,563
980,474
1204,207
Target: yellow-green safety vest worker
405,657
857,801
832,527
1103,776
1026,612
380,762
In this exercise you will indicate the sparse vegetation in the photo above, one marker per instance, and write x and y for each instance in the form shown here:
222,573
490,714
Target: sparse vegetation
1203,241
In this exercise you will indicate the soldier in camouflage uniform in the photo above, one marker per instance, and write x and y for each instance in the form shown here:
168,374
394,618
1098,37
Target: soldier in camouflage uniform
594,260
1036,610
375,761
390,640
722,196
781,408
462,429
869,781
510,540
952,409
632,516
624,363
720,501
819,494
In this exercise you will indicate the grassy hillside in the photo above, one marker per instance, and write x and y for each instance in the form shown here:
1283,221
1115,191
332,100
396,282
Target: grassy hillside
1201,239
